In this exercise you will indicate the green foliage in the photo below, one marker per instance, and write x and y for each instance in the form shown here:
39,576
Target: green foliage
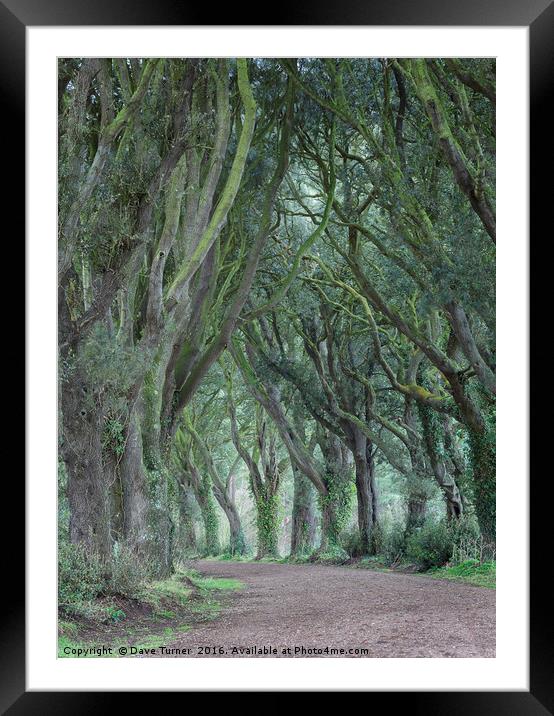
431,545
337,504
113,437
267,515
81,575
63,505
390,541
127,573
396,241
209,517
351,542
116,615
214,583
438,543
110,366
483,463
482,574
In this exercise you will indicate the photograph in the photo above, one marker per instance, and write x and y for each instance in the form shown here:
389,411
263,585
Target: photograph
276,357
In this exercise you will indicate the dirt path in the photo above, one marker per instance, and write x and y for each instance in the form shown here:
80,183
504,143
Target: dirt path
312,606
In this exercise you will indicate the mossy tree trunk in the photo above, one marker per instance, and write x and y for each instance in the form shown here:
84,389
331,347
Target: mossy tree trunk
221,489
303,519
303,528
188,542
336,503
136,497
188,476
203,493
265,483
366,491
267,526
88,490
444,478
237,542
483,464
155,460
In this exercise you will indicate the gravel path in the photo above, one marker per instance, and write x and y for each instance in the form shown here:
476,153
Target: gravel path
285,606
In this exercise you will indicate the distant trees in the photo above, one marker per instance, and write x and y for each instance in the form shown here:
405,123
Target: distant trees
279,272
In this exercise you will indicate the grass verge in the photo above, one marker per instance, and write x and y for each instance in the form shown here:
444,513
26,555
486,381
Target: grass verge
471,572
153,617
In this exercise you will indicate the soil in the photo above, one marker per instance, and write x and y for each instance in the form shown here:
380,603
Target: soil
310,607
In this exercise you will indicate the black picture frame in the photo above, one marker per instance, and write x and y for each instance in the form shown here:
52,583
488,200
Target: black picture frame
538,15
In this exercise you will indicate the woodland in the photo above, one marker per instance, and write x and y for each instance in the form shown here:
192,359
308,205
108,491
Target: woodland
276,314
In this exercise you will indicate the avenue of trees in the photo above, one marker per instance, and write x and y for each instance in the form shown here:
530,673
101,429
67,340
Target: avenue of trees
276,306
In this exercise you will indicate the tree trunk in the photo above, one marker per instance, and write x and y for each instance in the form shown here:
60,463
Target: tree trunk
237,544
111,471
417,507
335,504
366,492
157,473
450,491
268,525
437,440
136,499
87,487
203,493
330,534
455,499
483,462
303,529
187,533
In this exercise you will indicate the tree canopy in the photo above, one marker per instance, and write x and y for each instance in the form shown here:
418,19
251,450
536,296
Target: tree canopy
276,305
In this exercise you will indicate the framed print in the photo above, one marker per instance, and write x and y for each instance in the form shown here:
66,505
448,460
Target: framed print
267,314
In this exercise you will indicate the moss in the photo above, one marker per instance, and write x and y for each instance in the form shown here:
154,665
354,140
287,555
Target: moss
423,393
172,588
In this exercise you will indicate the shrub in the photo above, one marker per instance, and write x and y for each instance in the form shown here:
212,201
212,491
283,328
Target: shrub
469,544
81,575
431,545
389,540
351,542
126,573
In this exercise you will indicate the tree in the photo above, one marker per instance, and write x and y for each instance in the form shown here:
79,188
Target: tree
276,295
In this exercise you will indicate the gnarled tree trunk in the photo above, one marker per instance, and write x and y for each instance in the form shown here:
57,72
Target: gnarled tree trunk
136,499
88,490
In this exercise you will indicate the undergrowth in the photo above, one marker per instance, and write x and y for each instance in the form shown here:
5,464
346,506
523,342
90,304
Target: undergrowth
152,614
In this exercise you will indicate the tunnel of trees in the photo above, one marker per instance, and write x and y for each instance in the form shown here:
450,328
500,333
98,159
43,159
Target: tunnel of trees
276,307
